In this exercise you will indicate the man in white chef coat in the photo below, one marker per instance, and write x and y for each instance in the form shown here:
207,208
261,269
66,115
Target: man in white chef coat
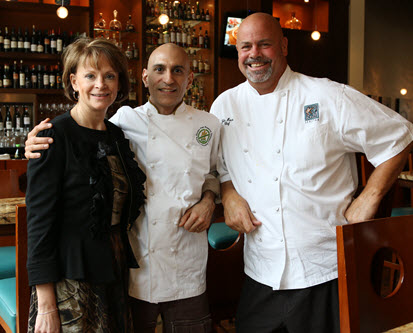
288,177
177,147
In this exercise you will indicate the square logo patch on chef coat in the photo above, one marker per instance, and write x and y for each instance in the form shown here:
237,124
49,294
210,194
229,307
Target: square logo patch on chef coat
311,113
203,135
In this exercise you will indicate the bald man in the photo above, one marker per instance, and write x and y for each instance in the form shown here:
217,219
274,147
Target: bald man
288,176
176,145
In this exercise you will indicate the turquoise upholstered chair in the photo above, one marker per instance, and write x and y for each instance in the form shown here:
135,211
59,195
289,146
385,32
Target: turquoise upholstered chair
225,272
221,237
401,211
15,291
8,304
7,262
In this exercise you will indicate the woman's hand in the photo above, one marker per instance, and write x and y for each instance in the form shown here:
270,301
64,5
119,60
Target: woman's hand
47,320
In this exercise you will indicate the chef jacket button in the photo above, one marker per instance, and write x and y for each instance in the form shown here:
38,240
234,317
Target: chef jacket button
260,239
280,121
277,209
283,94
176,222
152,250
278,151
154,222
276,179
152,165
189,117
249,181
248,124
173,250
281,240
149,114
151,194
253,211
178,198
245,150
187,172
188,145
153,137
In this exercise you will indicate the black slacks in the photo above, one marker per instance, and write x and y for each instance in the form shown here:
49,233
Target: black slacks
309,310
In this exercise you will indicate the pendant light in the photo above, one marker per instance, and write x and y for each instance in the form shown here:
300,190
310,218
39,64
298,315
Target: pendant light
62,11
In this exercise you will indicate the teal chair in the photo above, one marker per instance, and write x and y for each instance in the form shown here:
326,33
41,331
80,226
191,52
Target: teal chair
222,237
225,272
7,262
15,291
401,211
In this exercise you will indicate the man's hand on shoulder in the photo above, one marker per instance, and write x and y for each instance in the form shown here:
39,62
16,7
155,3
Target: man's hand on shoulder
33,143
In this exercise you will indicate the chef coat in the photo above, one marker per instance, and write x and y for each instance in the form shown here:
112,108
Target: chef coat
177,152
291,155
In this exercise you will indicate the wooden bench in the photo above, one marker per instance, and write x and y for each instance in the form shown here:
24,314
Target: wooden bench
375,269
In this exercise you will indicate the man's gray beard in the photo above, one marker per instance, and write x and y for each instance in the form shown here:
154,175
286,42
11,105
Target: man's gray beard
260,77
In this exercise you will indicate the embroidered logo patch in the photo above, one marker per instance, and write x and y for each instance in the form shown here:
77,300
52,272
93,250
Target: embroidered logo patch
227,121
203,135
311,113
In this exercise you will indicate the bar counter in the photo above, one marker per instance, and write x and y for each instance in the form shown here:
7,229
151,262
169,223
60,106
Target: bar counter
8,215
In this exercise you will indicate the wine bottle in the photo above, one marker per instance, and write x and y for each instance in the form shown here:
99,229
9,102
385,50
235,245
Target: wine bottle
40,44
46,42
13,41
33,76
6,40
33,42
26,41
17,119
46,83
27,78
59,43
8,121
1,41
15,75
40,83
7,80
26,119
22,76
59,82
20,41
53,43
52,78
206,40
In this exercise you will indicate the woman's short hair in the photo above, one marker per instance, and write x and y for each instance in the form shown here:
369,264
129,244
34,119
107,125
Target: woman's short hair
86,49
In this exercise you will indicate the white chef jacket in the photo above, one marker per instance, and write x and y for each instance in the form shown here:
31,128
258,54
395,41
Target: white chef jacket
177,152
290,154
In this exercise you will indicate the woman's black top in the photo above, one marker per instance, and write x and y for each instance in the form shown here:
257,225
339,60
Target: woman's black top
69,203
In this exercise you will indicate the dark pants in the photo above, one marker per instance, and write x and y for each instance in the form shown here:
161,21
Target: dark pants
309,310
181,316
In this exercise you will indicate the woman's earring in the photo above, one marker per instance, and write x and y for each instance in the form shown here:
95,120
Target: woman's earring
75,95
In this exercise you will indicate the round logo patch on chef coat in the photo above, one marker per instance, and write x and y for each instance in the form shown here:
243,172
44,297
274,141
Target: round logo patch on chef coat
203,135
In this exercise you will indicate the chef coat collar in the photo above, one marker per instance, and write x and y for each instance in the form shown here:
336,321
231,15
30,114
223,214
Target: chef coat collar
152,108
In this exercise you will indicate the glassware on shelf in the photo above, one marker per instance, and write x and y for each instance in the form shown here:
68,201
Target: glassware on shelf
293,23
129,25
115,23
100,23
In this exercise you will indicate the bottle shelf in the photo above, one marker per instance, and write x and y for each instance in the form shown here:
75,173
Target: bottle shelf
125,32
149,47
29,55
40,7
153,20
32,91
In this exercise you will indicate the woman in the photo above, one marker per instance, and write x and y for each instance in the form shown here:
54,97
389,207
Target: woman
83,194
